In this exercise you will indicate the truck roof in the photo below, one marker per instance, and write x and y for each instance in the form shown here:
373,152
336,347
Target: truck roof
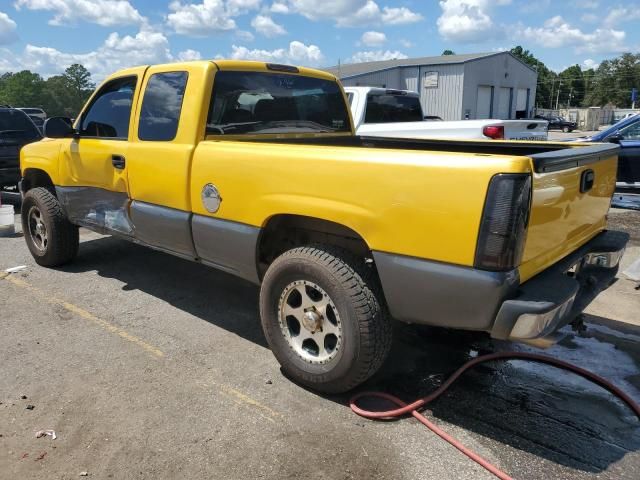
246,65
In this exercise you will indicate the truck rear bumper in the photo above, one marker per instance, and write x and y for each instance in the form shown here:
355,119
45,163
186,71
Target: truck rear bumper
453,296
556,296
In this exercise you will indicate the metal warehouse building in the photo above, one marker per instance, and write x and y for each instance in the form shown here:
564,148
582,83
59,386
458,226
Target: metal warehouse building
454,87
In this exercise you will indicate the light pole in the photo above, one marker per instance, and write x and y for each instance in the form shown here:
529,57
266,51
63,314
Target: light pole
558,96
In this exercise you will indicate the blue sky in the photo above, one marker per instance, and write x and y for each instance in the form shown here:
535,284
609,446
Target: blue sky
47,35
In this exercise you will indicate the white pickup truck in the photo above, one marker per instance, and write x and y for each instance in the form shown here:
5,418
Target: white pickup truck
381,112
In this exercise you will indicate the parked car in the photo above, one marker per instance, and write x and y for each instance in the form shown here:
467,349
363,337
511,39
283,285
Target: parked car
37,115
254,169
381,112
16,130
34,112
558,123
625,133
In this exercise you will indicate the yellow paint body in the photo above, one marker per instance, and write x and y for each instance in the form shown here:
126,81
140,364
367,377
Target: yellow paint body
425,204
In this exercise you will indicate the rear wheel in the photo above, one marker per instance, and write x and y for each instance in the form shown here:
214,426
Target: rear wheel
51,238
323,322
566,129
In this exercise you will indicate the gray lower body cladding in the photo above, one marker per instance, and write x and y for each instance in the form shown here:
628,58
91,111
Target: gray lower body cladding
453,296
433,293
226,245
162,227
229,246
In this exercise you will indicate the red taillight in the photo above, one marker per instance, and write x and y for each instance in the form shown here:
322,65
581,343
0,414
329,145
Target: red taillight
494,131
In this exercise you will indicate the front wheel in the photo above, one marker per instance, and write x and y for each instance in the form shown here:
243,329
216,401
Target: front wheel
51,238
323,322
566,129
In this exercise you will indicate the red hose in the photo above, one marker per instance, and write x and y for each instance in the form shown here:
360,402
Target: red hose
413,407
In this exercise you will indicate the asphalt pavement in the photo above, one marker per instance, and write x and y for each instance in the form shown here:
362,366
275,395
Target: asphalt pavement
149,366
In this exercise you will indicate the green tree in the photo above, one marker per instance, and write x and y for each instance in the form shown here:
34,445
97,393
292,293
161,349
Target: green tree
613,80
448,52
571,86
79,86
22,89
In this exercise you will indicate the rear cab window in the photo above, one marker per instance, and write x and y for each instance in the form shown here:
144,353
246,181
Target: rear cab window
275,103
392,108
162,105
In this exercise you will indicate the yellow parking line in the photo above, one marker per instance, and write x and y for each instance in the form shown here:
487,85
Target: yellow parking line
246,399
232,393
81,312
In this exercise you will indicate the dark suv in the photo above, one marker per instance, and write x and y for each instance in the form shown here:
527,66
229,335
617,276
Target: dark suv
558,123
16,130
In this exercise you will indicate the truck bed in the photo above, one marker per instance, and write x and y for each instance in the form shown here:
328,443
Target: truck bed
546,156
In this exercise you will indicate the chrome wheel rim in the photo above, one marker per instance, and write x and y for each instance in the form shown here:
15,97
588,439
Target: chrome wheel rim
38,229
310,322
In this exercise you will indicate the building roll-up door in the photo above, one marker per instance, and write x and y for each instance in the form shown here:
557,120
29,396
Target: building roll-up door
521,103
483,103
504,102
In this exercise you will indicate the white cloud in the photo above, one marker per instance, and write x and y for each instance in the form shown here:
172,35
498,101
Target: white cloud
619,15
399,16
239,7
557,33
189,55
297,53
589,18
208,17
468,20
116,52
244,36
279,7
7,29
265,25
590,63
348,13
406,43
586,4
102,12
376,55
373,39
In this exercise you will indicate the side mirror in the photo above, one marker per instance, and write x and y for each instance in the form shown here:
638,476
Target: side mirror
615,138
58,127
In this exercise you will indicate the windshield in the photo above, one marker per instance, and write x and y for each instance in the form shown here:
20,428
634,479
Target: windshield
275,103
389,108
16,124
614,128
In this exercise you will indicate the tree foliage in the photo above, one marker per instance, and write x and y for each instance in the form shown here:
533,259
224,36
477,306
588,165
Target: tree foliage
63,94
613,80
609,84
448,52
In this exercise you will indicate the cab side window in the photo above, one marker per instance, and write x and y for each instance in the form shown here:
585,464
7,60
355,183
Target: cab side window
109,114
161,106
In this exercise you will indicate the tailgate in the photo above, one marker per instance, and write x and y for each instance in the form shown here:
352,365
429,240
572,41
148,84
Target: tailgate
572,191
525,129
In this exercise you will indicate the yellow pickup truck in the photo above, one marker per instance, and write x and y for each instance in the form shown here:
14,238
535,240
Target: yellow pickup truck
253,168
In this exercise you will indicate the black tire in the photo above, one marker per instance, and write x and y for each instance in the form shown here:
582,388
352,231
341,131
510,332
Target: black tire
566,129
62,237
366,326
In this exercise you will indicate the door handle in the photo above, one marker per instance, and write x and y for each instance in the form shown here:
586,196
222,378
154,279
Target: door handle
118,161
